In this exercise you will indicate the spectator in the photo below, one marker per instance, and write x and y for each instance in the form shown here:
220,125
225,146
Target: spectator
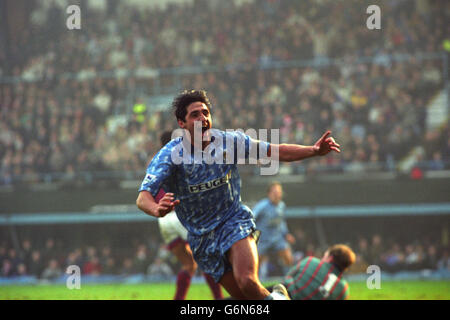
92,266
36,266
7,268
413,257
141,261
49,251
26,251
22,270
109,266
363,251
444,262
436,163
394,259
3,255
14,260
52,271
159,269
376,250
127,267
431,258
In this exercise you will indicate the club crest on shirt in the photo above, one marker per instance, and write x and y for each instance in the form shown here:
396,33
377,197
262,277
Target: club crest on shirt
148,178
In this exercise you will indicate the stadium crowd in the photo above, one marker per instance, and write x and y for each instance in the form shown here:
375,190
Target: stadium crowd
49,260
76,109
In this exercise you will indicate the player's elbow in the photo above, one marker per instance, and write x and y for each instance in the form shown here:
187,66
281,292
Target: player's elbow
140,202
145,202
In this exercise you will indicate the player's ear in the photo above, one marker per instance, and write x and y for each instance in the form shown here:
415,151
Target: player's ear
181,123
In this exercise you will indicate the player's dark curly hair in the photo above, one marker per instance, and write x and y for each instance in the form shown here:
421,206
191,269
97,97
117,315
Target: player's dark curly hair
185,98
342,255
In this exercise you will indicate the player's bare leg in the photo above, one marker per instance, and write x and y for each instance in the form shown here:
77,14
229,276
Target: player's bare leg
230,284
216,290
286,257
184,254
243,256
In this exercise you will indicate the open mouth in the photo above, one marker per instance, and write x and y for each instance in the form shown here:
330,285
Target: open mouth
205,128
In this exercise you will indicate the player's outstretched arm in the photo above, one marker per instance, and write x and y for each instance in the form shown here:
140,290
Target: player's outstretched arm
147,203
295,152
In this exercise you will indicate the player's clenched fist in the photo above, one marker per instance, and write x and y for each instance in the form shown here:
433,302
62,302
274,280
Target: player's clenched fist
165,205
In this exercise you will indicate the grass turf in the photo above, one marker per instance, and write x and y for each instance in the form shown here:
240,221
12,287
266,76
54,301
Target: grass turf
394,290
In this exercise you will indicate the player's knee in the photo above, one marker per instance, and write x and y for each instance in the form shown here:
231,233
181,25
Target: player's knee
191,268
288,260
245,282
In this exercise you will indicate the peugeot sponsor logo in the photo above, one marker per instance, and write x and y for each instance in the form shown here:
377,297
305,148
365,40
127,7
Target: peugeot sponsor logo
210,184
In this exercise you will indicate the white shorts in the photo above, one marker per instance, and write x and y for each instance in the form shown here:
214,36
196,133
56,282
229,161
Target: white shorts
171,229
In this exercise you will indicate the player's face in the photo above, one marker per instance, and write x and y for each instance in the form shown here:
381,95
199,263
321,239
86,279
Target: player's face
276,194
196,111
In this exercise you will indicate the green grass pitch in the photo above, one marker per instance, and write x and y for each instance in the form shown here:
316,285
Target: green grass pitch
394,290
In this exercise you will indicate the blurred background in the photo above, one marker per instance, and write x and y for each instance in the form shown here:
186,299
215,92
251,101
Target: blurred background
81,112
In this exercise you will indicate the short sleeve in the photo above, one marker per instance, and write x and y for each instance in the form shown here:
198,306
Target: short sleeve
252,148
258,209
158,172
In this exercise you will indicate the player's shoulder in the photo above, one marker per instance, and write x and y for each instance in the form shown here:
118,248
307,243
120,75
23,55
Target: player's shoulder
165,153
262,204
238,133
172,143
311,260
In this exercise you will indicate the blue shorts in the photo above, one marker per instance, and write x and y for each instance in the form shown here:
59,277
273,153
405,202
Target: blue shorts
270,242
210,249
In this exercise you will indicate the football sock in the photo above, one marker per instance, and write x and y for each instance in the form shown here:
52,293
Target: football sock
215,287
183,283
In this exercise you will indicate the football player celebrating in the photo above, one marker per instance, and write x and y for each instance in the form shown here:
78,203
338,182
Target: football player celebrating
175,238
221,229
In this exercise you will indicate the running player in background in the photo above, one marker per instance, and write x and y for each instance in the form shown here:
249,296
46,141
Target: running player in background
321,279
175,237
221,229
269,216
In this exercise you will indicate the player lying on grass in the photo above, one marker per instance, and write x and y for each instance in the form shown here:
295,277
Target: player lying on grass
321,279
175,237
221,229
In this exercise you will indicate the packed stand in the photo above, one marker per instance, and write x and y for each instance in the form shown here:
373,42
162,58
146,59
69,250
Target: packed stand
78,110
48,261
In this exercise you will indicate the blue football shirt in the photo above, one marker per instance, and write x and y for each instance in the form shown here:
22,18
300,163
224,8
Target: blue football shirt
209,193
270,219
